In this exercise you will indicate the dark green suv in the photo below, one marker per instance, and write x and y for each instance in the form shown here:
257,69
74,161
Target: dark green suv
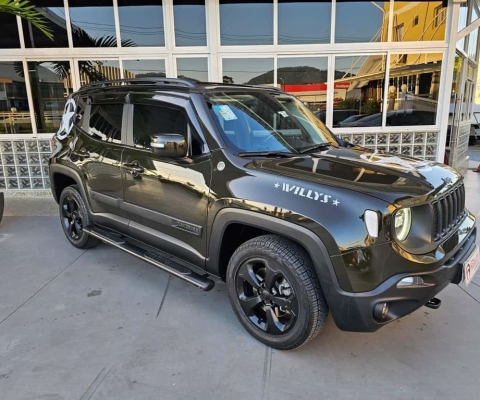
213,181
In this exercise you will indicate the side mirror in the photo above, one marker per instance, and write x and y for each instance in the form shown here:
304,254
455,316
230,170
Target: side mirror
170,145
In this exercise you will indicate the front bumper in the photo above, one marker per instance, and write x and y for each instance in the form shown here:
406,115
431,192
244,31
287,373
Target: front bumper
354,311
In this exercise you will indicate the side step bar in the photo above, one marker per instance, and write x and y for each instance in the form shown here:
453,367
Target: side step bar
163,263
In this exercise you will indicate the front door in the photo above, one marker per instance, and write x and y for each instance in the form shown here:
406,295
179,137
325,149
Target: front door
166,198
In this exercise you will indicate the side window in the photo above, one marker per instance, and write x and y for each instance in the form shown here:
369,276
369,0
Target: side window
156,120
106,122
81,106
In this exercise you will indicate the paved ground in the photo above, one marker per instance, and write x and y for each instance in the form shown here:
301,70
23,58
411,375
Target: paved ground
98,324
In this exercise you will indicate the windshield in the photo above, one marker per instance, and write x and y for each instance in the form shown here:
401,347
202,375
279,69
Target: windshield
253,121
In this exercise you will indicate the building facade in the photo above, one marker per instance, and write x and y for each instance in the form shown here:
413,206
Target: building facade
403,72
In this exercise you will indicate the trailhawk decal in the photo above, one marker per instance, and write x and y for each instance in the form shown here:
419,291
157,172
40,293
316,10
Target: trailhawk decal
307,193
67,119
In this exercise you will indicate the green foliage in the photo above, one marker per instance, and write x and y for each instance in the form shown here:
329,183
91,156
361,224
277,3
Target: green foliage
371,107
352,103
24,9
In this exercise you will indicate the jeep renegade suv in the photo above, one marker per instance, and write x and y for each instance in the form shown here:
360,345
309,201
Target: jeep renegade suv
245,184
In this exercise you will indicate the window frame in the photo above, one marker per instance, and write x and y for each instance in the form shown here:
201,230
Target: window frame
167,101
85,124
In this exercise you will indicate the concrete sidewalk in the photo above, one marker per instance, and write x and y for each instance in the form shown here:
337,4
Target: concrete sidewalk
100,324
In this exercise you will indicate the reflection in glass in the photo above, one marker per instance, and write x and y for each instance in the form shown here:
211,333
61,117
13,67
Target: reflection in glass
246,22
252,71
359,83
190,23
305,78
143,68
93,24
413,89
194,68
304,22
9,38
98,70
54,14
51,85
141,22
462,18
361,22
14,110
418,20
472,44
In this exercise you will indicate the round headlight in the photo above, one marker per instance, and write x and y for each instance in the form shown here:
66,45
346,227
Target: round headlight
403,223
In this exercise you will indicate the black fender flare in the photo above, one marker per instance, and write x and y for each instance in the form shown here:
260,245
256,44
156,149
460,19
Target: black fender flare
71,173
314,245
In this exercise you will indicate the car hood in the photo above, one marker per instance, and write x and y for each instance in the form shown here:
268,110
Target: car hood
389,177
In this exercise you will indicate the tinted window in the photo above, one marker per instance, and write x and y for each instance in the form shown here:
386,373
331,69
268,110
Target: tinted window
9,38
154,120
106,122
235,16
54,14
304,22
190,23
141,23
93,23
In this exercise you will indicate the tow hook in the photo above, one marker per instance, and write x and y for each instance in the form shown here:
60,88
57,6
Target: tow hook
434,303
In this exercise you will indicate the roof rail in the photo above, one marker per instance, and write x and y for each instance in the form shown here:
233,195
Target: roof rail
188,83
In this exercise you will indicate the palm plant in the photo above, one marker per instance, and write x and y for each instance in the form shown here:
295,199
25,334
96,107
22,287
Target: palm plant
25,10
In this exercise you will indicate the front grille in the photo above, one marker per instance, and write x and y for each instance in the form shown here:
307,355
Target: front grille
448,211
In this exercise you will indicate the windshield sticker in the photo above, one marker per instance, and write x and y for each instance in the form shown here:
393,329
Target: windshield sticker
284,114
394,162
307,193
226,112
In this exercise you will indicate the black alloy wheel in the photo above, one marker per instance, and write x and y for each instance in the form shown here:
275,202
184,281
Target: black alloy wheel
74,217
275,293
266,296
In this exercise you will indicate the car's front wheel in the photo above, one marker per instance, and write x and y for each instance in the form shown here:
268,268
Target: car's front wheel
74,217
275,293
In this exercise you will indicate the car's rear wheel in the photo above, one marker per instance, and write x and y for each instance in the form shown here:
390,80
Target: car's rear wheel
274,292
74,217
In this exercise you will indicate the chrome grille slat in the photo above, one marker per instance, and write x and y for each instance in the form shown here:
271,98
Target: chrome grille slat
448,211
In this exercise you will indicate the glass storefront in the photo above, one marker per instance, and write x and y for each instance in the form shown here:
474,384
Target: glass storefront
141,23
304,22
235,16
364,68
372,27
14,107
190,23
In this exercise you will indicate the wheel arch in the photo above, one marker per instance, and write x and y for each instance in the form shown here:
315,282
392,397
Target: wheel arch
61,177
265,224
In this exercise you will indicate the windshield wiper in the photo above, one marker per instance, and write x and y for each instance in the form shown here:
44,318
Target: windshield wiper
265,154
316,147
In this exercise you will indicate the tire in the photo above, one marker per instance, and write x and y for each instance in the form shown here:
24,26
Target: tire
74,216
287,270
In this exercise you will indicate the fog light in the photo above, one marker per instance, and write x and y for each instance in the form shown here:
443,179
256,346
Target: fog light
381,310
410,281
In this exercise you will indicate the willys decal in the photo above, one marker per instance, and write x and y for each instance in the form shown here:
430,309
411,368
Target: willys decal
307,193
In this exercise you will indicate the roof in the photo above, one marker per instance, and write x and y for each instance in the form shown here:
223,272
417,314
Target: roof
183,84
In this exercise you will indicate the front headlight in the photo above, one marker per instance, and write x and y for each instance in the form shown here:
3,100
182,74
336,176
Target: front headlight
403,223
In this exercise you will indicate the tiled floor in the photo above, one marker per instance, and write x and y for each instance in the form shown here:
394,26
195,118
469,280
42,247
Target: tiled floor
99,324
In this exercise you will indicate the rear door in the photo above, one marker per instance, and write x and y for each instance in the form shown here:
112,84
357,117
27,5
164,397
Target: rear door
97,152
167,198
